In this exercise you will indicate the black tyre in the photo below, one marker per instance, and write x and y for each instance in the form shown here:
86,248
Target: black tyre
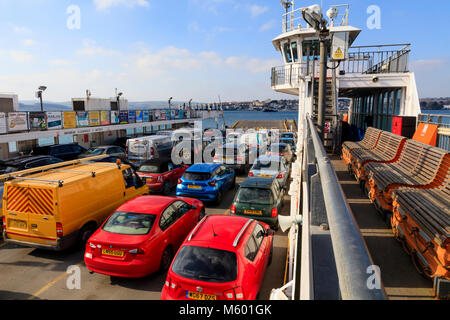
166,259
219,198
166,188
85,233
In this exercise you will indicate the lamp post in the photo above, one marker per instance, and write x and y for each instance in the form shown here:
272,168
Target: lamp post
170,111
41,89
314,17
118,100
287,5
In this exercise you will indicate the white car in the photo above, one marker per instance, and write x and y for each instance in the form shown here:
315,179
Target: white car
268,166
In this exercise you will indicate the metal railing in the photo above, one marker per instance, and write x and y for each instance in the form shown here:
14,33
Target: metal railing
293,20
288,74
351,257
443,123
377,59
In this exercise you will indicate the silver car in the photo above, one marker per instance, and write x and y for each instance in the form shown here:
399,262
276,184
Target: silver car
269,166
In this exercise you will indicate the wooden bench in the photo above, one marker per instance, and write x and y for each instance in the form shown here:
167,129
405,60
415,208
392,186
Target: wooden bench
421,220
368,143
419,166
388,149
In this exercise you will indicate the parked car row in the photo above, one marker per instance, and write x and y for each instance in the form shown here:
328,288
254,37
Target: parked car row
206,257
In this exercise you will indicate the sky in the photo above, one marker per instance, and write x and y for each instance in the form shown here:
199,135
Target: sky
188,49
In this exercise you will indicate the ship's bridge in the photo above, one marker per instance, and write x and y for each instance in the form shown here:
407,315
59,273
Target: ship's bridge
376,77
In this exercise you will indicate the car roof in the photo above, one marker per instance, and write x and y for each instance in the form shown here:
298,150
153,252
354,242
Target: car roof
218,231
259,182
147,204
24,159
203,167
270,158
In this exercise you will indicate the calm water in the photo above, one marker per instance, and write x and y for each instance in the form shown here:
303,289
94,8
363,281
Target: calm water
232,116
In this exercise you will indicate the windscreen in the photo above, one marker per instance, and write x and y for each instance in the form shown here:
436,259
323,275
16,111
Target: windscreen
95,151
149,168
206,264
254,195
137,148
197,176
129,223
287,135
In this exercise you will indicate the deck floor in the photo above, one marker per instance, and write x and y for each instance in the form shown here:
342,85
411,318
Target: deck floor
399,276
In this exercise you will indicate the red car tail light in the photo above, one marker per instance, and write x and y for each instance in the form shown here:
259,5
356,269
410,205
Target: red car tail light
229,294
160,179
4,222
251,174
59,230
274,212
179,181
137,251
280,176
152,152
212,183
233,209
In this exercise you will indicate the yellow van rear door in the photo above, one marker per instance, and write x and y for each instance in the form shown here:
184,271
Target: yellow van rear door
42,214
31,213
16,209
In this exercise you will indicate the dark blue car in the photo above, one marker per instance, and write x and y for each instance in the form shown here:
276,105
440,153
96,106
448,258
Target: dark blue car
206,182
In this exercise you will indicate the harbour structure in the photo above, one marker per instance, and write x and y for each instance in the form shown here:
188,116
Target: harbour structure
90,122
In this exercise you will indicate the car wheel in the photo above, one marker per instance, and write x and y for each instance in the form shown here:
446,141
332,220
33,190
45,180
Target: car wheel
166,259
219,198
271,254
166,188
85,233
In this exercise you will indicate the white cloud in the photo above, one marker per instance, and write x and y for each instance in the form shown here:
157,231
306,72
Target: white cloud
256,10
268,26
17,55
28,42
90,48
254,65
62,62
106,4
22,30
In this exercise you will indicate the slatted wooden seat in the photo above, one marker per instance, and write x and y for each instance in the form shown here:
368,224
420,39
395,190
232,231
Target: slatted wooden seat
421,219
419,165
368,143
388,149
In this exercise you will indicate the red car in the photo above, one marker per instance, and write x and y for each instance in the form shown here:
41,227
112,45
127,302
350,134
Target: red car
142,236
161,175
224,258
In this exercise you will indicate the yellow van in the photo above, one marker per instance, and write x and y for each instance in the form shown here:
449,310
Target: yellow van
62,206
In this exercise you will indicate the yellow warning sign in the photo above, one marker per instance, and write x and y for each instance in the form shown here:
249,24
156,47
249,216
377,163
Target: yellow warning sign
338,54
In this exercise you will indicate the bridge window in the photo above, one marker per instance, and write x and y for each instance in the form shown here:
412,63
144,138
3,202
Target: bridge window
287,52
294,51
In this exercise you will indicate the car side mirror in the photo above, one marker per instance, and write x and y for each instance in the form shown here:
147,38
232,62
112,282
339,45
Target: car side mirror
269,233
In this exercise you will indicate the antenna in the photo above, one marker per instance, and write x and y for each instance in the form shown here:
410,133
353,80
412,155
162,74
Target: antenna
214,233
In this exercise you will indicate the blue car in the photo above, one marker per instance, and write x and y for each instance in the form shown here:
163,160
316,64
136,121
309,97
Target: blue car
206,182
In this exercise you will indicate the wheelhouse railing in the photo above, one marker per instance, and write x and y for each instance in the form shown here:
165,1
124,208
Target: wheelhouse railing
293,20
288,74
377,59
443,123
330,234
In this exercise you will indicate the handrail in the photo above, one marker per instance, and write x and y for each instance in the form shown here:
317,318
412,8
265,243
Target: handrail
350,251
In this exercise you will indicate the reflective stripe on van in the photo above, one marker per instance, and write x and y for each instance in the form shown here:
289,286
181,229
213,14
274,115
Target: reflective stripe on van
30,200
